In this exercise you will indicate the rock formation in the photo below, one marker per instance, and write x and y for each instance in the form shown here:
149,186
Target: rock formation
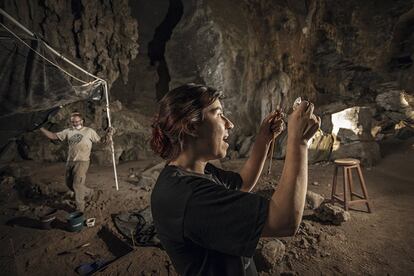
100,36
261,53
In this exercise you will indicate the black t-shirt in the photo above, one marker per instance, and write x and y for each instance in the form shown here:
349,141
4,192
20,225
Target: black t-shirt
205,224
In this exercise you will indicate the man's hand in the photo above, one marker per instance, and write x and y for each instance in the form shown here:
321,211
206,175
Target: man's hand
41,120
49,134
108,136
38,123
110,131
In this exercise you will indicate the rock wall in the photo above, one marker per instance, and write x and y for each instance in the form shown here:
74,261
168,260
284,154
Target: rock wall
261,53
140,92
265,53
101,36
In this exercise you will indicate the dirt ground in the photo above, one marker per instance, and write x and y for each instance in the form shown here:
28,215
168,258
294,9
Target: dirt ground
378,243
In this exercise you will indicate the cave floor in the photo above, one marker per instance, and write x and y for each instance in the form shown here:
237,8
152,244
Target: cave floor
380,243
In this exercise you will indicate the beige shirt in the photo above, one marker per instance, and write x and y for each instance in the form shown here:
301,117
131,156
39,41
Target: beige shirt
80,142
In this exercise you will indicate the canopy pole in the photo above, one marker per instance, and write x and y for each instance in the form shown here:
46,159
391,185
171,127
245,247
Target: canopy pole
112,141
8,16
105,84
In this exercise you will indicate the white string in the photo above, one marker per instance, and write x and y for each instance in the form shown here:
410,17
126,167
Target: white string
45,58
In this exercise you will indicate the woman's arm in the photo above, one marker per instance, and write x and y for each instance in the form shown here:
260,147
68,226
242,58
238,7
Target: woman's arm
287,202
271,127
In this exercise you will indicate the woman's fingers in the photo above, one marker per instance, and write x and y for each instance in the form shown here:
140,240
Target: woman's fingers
278,126
306,109
272,115
310,132
272,118
309,109
303,122
302,107
271,125
313,126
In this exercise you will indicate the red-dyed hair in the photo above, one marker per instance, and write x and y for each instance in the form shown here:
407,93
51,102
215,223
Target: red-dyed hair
179,113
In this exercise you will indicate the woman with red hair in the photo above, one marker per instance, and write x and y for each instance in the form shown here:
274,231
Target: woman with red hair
206,218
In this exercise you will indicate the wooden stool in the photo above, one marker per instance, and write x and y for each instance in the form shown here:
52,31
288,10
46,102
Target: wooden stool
348,164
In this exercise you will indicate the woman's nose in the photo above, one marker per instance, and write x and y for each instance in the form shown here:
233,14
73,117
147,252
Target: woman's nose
229,124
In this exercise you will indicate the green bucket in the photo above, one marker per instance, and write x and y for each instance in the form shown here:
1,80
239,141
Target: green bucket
76,221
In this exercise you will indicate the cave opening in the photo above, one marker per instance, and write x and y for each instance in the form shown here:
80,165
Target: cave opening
156,47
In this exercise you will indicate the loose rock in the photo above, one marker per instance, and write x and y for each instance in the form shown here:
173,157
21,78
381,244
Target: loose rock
313,200
271,254
330,213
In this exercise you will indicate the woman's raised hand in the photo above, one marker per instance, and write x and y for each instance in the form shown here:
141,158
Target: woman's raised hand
303,124
272,126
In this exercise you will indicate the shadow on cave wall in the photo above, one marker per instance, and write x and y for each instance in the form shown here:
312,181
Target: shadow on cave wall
149,76
156,47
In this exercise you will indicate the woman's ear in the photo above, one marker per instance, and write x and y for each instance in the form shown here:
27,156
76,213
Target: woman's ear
192,130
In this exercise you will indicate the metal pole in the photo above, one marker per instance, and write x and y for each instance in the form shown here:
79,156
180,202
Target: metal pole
112,141
5,14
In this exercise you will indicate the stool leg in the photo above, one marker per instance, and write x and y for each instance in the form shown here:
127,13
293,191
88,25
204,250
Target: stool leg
346,189
364,188
334,184
351,190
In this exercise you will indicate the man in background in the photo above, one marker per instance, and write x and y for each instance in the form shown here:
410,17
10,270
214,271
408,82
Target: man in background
80,139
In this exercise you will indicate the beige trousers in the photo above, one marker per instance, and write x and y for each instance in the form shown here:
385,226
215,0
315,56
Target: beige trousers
75,180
